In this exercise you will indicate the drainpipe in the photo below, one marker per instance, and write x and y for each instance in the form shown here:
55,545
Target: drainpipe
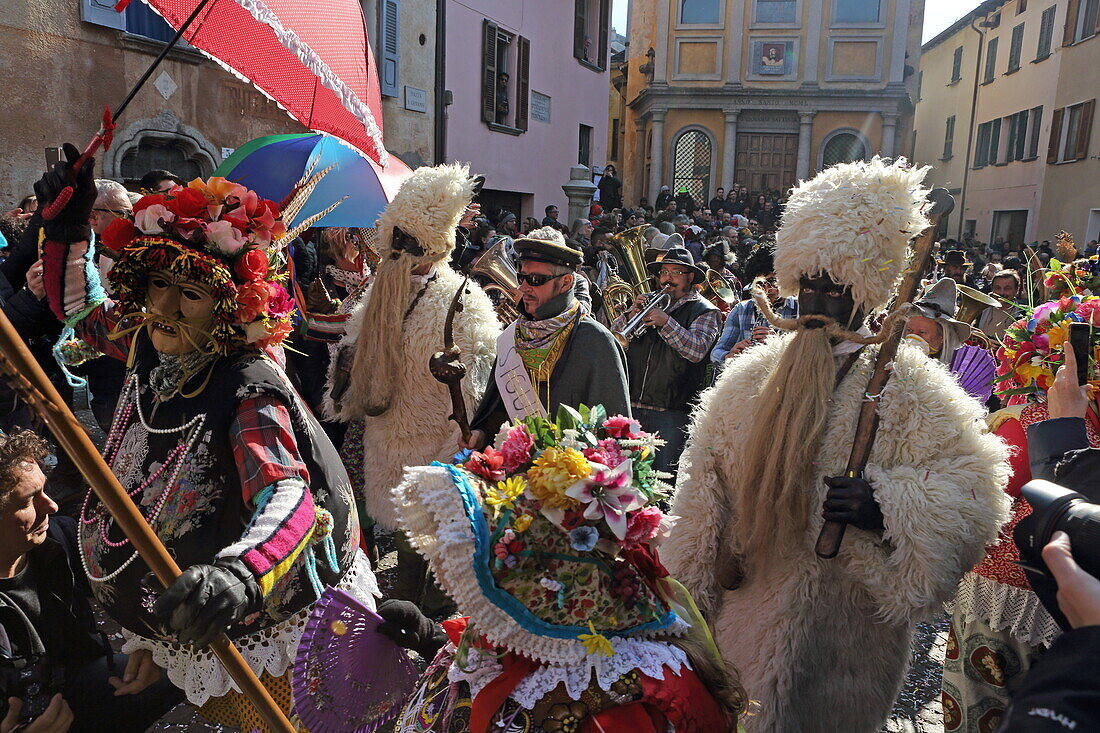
973,121
440,81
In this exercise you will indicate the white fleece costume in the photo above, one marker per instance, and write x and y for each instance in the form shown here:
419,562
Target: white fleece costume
823,645
416,430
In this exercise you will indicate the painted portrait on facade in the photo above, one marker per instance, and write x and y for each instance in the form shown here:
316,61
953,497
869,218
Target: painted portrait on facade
773,58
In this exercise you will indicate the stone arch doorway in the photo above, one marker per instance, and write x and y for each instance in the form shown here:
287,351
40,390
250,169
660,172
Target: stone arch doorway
161,142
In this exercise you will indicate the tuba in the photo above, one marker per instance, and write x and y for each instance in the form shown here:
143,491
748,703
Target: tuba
971,304
619,293
495,266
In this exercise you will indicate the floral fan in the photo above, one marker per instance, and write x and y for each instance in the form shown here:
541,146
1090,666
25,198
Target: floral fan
347,677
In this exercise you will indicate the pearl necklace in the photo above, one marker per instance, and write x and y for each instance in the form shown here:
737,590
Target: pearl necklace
129,403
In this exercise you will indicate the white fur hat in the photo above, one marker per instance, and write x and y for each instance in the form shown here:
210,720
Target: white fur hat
854,221
428,207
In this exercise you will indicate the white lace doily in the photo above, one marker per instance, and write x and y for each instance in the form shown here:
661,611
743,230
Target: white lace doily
1002,606
648,657
201,676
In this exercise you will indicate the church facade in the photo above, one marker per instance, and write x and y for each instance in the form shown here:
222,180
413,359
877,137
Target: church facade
763,93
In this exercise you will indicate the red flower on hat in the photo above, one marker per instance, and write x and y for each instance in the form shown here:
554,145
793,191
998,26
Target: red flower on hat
118,234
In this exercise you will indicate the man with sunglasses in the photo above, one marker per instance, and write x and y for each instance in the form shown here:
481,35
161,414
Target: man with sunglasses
745,325
667,363
554,353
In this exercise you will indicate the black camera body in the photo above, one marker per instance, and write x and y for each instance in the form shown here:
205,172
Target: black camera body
32,679
1055,508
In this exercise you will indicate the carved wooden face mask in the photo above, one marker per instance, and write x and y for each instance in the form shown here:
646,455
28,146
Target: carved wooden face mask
179,313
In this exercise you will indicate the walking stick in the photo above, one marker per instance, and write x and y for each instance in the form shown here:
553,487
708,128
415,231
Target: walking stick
20,369
446,367
832,533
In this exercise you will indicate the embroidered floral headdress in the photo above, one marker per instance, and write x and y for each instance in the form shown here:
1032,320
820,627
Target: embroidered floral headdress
217,233
548,539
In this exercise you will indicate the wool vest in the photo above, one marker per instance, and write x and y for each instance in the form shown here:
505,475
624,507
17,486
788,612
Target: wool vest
659,376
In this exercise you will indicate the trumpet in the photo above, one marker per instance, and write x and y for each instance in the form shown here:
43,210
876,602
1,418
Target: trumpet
636,326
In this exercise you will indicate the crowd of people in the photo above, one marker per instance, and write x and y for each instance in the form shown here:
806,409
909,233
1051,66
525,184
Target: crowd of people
604,453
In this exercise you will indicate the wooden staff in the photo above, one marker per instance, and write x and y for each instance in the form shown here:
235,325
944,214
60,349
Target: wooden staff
446,367
21,370
832,533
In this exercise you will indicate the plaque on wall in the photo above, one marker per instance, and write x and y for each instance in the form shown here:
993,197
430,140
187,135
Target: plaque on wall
540,107
416,100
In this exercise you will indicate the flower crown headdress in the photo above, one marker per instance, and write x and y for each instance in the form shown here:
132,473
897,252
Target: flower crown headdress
223,235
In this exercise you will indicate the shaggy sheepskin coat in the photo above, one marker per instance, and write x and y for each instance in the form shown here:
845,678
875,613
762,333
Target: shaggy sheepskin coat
823,645
416,430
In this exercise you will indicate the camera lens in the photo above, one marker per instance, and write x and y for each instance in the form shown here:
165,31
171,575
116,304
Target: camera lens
1056,508
1081,522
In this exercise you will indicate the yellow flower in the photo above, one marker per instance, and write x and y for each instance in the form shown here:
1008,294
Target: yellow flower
554,471
522,523
595,643
1057,334
505,493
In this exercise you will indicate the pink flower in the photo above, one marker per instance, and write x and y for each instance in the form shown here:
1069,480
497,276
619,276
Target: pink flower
280,304
620,426
644,524
224,237
607,453
516,448
252,301
152,219
608,496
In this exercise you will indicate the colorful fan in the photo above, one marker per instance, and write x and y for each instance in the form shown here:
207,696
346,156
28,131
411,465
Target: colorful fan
348,678
974,369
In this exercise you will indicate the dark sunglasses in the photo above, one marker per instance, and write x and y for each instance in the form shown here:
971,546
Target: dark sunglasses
535,280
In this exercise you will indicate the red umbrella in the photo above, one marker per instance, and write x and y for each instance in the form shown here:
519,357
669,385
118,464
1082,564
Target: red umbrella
311,56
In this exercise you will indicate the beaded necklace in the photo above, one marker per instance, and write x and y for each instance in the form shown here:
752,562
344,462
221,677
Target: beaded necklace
129,404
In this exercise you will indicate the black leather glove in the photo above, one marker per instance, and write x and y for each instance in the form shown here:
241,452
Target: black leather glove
407,627
852,501
207,599
71,223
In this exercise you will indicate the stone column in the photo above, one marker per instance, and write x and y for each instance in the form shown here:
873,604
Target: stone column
639,161
889,134
805,130
579,191
729,148
656,154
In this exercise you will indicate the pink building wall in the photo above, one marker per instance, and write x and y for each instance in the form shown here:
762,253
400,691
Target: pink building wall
537,162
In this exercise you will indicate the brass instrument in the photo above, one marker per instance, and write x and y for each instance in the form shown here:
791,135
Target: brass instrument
636,326
971,304
717,290
495,265
619,293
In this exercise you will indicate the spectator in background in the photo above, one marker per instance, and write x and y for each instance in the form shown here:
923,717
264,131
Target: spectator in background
551,218
663,199
684,202
530,223
718,203
582,233
610,188
159,181
27,206
112,202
